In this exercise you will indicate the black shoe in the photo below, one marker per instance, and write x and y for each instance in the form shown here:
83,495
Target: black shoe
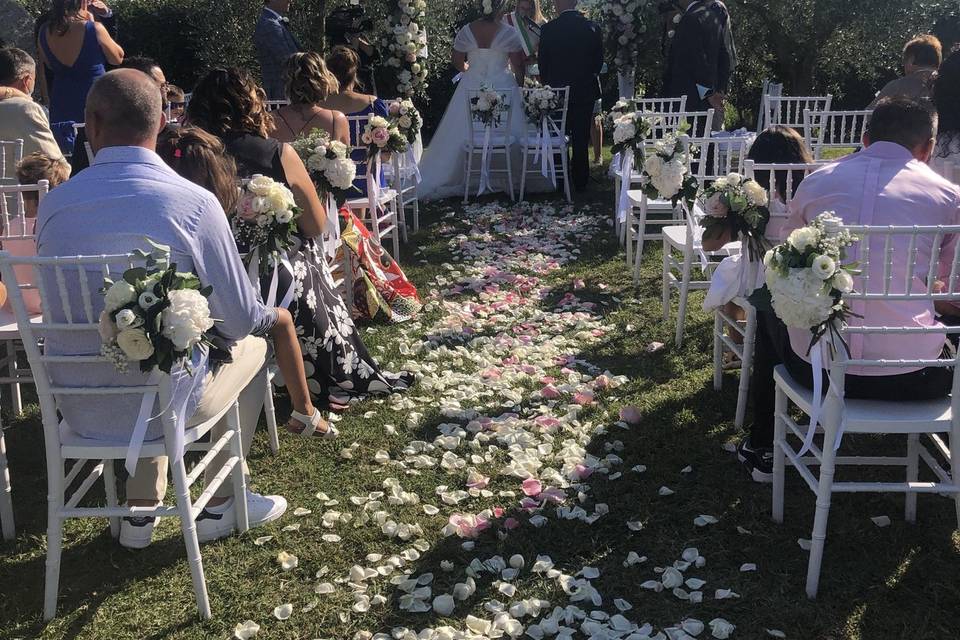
759,460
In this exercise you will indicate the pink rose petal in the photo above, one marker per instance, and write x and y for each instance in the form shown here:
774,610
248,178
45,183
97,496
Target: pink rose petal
550,392
631,415
532,487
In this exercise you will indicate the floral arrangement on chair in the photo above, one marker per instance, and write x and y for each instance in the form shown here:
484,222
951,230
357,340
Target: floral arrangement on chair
630,131
739,205
488,106
539,102
405,41
380,136
666,173
806,278
329,164
266,220
154,315
620,108
407,119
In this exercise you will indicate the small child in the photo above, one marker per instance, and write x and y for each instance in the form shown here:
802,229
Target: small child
31,170
201,158
176,102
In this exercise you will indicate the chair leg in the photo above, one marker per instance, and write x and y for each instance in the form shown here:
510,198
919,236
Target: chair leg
507,155
15,398
665,293
110,491
189,529
627,232
6,500
396,230
468,171
779,456
955,467
271,415
913,470
617,225
238,477
824,494
566,178
684,294
640,239
416,211
523,175
717,350
746,366
54,551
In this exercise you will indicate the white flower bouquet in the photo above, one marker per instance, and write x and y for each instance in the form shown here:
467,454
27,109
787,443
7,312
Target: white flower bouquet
621,108
739,205
405,43
630,131
666,173
266,220
539,103
624,24
154,315
407,119
806,278
380,135
488,106
329,164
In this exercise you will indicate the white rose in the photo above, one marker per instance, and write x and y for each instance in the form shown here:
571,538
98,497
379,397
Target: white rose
284,216
768,258
720,184
135,344
338,148
119,295
756,194
260,204
279,201
260,185
803,238
824,267
127,319
734,179
653,166
187,317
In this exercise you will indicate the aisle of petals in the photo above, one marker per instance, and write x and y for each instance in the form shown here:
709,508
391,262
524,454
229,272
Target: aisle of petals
505,410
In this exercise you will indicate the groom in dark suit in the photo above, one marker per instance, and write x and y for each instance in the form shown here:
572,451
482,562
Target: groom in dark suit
571,55
275,43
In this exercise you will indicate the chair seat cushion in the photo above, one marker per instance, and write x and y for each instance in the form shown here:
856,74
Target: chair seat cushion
877,416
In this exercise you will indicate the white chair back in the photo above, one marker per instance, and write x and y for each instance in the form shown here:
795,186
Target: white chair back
661,105
841,130
782,179
501,127
769,88
273,105
11,153
788,110
556,119
13,210
699,124
717,157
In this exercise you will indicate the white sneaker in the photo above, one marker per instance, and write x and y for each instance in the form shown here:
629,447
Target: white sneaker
214,523
137,532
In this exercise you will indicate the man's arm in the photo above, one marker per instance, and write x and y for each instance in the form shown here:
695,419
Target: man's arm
272,42
545,53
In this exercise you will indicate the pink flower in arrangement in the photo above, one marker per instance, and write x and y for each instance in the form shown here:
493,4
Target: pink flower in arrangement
411,57
532,487
365,138
245,209
550,392
469,525
380,137
394,108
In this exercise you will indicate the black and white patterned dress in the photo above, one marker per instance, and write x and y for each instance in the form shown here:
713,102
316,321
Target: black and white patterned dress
338,367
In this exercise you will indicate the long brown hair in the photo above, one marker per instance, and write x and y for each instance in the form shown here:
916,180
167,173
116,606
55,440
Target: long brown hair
344,63
228,100
60,15
202,159
780,145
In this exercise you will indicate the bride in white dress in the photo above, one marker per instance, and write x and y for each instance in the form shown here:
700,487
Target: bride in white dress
490,53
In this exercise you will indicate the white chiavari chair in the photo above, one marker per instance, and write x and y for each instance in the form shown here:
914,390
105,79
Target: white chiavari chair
67,287
788,110
546,144
485,143
660,105
769,88
379,209
403,175
682,247
880,285
725,326
77,128
11,153
273,105
839,130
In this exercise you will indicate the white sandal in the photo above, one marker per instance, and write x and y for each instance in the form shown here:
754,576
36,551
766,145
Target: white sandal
310,424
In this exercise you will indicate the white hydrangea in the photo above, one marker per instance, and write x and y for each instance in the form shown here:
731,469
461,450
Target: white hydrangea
186,319
756,194
803,238
801,299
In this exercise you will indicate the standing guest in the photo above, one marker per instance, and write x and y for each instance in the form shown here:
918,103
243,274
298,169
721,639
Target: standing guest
946,100
347,26
571,55
921,59
31,170
275,43
176,102
228,104
344,63
699,61
527,21
202,159
888,183
71,34
20,116
128,194
308,83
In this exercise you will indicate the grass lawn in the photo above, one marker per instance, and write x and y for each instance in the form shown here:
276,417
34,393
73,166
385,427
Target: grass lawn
877,584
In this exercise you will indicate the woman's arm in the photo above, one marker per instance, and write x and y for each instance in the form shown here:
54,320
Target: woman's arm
313,218
518,60
111,50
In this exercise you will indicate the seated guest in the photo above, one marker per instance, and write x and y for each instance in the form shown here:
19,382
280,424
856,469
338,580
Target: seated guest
308,82
888,183
202,159
345,65
31,170
127,194
176,103
921,59
946,100
230,105
20,116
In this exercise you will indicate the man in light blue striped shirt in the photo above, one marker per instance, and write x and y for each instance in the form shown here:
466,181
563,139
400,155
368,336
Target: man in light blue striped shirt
127,195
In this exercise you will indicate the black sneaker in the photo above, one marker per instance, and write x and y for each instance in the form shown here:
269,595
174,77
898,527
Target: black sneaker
759,460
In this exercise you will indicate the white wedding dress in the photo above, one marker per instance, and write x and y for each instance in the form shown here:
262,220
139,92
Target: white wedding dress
442,164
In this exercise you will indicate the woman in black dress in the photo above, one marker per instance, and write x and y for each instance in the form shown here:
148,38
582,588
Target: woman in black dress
230,105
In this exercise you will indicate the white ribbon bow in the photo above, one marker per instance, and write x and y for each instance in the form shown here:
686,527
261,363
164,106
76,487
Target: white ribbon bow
545,153
485,162
626,172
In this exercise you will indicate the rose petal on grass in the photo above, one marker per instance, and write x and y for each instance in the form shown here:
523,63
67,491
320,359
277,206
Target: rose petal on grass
631,415
283,612
881,521
288,561
262,540
246,630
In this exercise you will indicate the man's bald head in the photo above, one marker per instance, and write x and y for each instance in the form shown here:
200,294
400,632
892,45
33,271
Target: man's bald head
124,108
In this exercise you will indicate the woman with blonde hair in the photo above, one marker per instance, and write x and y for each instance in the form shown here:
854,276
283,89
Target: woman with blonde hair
308,83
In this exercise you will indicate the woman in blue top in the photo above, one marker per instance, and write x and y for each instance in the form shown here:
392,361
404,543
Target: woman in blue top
72,36
344,63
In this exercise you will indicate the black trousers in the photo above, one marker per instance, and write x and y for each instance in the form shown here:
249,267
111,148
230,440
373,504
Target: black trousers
579,123
773,348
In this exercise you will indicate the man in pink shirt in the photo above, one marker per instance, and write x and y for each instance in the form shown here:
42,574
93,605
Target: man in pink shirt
888,183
